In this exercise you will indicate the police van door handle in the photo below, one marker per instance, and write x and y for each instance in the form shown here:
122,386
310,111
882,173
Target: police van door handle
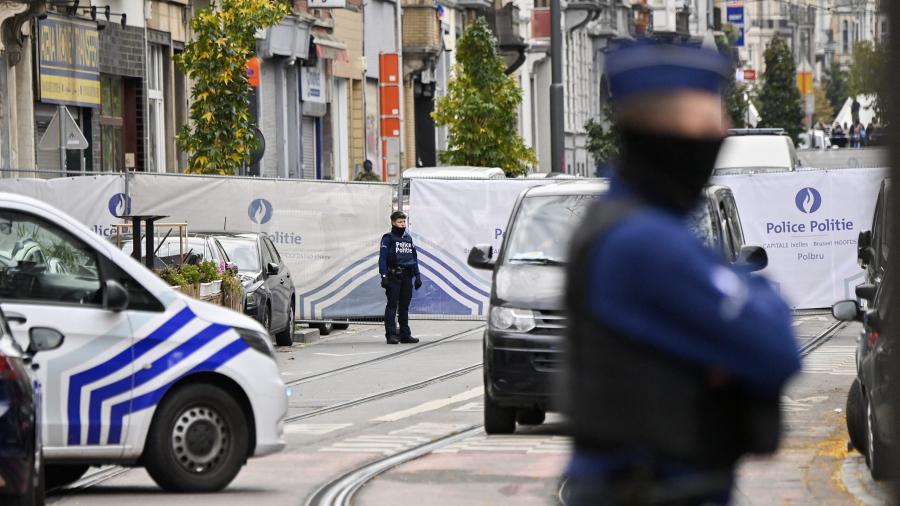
16,318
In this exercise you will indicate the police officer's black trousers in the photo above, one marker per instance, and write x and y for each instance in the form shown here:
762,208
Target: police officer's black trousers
399,295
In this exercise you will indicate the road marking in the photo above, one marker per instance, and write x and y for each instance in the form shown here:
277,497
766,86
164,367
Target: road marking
314,429
431,405
396,441
518,443
348,354
472,407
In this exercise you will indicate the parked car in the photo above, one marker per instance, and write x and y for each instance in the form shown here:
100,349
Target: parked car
21,453
269,290
756,150
870,414
194,248
872,245
526,320
147,376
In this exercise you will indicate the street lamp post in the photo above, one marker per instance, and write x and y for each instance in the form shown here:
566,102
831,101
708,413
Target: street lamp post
557,126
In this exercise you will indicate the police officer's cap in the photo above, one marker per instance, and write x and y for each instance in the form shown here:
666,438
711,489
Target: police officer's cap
649,66
398,215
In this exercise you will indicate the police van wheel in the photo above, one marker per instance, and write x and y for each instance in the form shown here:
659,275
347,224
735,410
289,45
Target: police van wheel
497,419
341,326
324,328
198,440
286,336
531,416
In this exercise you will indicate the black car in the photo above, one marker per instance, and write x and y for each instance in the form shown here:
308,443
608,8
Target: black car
872,245
268,287
869,402
526,323
192,249
21,462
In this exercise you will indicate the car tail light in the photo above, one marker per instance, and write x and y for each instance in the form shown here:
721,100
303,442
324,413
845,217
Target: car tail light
873,337
6,369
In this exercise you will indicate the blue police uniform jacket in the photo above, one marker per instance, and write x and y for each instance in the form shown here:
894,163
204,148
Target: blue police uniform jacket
397,251
651,281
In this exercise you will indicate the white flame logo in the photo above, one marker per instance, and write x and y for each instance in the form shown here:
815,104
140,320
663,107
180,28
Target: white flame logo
808,201
260,211
119,205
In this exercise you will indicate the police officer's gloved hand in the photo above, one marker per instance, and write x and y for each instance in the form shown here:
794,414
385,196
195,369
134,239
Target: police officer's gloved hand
418,283
384,282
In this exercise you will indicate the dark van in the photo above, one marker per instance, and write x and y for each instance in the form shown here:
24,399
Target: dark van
526,322
872,245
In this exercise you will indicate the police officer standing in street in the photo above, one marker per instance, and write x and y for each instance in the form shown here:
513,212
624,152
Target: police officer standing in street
675,359
399,268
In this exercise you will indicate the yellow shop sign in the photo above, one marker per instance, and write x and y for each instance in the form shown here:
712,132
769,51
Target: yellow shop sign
68,61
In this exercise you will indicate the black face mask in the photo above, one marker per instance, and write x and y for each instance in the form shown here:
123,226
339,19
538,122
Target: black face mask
398,230
668,170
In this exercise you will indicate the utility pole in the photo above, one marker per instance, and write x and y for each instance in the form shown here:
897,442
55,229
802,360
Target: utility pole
557,125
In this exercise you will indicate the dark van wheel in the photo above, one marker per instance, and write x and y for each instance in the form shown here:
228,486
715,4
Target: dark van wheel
60,475
498,419
286,336
856,417
324,328
198,440
876,452
34,493
531,416
341,326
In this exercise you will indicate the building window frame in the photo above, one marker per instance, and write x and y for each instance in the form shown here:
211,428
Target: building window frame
156,115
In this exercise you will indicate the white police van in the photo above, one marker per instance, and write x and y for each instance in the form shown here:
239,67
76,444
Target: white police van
146,376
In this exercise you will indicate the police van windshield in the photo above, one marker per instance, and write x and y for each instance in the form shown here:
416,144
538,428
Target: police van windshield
242,252
544,226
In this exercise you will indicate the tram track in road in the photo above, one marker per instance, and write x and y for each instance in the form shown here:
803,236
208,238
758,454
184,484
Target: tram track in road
385,393
820,339
382,358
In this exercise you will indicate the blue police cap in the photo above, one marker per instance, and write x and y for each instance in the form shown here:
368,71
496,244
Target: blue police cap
651,66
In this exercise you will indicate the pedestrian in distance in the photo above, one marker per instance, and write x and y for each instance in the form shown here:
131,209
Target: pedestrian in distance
399,268
675,368
367,173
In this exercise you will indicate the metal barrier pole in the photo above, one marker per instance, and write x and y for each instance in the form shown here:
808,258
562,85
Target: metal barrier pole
400,193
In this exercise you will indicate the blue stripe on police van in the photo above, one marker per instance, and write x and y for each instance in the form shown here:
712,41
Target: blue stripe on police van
141,402
142,376
78,381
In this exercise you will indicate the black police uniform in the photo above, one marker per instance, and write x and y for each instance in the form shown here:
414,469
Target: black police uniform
399,268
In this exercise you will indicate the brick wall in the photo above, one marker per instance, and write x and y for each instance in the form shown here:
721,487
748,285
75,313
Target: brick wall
421,27
122,51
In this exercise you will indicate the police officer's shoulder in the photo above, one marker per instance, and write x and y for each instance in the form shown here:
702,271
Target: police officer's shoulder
649,234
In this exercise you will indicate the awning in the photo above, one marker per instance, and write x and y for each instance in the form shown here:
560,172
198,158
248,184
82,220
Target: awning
330,47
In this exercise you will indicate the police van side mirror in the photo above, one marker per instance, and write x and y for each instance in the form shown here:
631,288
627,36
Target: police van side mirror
272,269
480,257
115,296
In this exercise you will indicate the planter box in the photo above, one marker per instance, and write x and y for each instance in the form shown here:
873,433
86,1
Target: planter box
210,288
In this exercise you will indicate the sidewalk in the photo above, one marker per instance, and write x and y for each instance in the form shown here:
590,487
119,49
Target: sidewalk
808,468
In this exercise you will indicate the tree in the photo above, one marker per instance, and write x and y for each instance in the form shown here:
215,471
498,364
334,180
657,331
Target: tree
780,102
603,143
481,106
835,83
221,135
866,72
737,103
824,109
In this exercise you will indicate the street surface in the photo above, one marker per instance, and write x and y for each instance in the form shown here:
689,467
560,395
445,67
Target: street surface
357,401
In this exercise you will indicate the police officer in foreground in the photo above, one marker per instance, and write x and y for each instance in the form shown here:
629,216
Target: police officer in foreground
399,268
675,360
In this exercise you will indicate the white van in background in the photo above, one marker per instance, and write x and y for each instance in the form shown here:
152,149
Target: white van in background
748,150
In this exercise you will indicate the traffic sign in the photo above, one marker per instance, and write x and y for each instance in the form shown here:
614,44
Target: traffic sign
71,134
749,75
805,82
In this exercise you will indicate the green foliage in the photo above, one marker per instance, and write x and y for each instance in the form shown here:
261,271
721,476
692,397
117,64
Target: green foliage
824,109
835,83
209,272
480,108
232,291
780,101
866,76
220,137
603,144
187,274
737,103
173,277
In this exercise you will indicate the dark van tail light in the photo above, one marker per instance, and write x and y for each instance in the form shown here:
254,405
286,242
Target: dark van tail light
6,369
873,337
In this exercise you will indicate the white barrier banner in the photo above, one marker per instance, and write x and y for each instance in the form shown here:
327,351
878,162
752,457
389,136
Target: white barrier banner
96,201
808,222
327,233
447,218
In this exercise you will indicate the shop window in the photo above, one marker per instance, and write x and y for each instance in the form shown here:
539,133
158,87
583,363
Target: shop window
111,155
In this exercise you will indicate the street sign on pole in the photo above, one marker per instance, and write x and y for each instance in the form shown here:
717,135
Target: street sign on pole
735,16
71,134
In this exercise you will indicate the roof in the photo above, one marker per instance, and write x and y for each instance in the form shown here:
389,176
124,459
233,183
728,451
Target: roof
757,131
570,187
457,171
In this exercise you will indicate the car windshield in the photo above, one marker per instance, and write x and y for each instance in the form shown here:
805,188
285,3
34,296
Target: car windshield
242,252
171,247
543,227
